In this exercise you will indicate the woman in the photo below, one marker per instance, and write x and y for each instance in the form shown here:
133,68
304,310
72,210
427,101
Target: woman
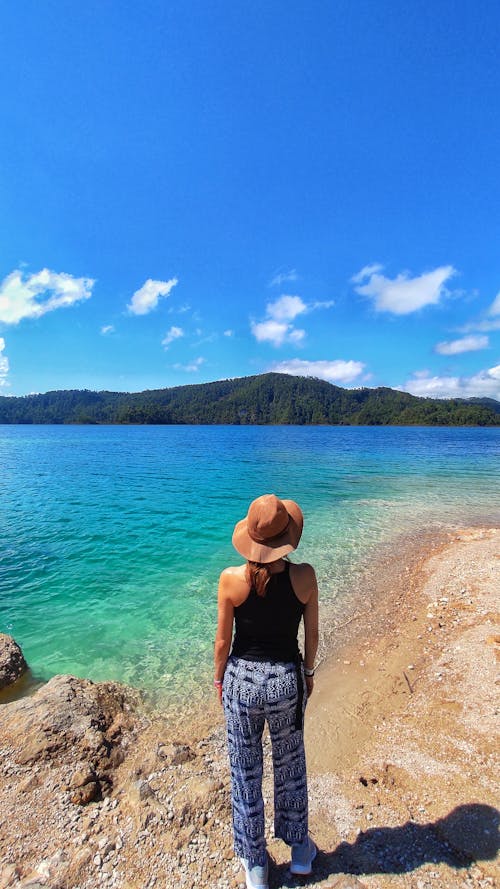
263,679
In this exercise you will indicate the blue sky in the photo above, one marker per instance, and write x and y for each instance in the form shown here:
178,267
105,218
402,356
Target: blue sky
191,191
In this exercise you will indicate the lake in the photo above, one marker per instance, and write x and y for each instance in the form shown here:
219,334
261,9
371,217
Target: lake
112,537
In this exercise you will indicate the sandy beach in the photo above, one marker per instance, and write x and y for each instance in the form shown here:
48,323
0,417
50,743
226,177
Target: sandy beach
402,746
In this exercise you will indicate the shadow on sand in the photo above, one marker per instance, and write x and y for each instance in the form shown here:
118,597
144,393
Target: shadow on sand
467,834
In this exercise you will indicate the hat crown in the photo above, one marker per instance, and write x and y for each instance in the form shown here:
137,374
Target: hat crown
267,518
270,530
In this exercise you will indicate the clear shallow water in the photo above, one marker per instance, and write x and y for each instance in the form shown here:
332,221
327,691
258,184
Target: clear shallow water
112,538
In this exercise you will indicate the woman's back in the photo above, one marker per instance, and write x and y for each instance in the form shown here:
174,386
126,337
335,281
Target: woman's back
266,626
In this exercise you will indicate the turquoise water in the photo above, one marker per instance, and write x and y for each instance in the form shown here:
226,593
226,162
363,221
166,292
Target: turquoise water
112,538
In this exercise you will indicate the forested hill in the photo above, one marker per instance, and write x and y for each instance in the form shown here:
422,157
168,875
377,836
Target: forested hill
265,399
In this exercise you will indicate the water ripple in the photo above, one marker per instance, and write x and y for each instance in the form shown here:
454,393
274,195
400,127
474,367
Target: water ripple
112,538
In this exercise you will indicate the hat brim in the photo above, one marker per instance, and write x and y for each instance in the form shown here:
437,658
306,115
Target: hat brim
276,548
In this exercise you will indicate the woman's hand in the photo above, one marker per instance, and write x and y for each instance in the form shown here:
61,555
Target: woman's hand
218,689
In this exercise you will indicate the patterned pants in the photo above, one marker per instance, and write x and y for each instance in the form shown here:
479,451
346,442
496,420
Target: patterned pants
253,692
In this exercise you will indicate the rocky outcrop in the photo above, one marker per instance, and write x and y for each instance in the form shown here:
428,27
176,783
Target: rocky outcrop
96,792
79,725
12,663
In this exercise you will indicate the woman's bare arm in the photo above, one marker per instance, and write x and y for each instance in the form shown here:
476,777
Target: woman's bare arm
307,590
224,634
311,628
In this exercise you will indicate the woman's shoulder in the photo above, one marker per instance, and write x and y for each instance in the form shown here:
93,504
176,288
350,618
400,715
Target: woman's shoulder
234,571
233,584
302,569
303,577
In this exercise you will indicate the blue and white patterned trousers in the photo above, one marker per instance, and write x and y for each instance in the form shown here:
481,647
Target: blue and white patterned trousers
253,692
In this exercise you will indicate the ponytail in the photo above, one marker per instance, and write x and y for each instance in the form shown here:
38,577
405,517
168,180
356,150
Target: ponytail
258,575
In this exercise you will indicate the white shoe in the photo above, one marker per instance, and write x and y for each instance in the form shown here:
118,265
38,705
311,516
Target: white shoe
303,855
256,876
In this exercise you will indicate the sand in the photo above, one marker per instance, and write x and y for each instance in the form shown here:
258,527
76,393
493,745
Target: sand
402,748
402,731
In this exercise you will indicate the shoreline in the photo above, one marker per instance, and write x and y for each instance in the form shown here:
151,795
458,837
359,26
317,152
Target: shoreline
399,773
201,714
342,621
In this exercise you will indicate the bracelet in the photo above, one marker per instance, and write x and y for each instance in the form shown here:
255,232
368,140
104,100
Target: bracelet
309,673
217,683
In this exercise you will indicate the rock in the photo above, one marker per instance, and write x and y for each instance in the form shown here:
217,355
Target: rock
31,884
175,753
72,720
29,783
146,792
9,875
345,883
87,786
12,663
82,776
86,794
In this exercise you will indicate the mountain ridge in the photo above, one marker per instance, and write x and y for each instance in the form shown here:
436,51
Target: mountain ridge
262,399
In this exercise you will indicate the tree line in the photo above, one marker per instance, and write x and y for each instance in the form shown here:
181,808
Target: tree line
266,399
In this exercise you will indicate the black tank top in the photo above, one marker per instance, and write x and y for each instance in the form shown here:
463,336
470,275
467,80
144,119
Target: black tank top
267,626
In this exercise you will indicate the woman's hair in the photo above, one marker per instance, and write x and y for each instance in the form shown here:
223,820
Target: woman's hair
258,575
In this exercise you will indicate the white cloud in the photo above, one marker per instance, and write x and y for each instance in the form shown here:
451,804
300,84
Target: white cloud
486,383
488,324
480,326
485,325
332,371
324,304
192,367
465,344
283,278
402,295
366,272
277,333
270,331
173,334
179,310
296,335
31,296
286,308
277,328
107,328
209,338
229,333
4,364
494,309
147,297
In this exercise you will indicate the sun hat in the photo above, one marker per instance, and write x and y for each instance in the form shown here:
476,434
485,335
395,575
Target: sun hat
271,529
